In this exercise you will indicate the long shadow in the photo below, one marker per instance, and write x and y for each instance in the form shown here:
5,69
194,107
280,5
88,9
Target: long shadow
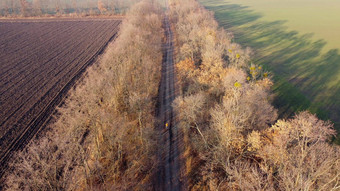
306,77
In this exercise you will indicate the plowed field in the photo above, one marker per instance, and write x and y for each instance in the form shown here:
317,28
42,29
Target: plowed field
38,59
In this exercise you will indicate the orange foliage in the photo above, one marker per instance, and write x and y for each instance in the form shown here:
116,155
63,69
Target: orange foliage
101,6
186,67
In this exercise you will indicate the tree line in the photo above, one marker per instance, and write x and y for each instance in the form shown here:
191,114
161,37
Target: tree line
25,8
233,137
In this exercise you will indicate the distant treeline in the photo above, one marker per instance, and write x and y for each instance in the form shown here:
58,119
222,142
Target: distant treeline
27,8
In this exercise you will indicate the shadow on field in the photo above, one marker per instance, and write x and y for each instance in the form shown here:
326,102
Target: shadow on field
305,76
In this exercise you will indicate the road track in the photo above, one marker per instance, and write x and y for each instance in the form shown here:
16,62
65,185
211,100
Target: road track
168,177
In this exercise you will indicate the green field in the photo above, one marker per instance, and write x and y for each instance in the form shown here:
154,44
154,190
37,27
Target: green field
320,17
299,41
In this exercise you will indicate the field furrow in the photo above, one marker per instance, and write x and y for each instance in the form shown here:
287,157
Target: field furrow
38,60
36,52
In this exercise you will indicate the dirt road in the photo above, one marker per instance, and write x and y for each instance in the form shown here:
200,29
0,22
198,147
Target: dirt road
169,173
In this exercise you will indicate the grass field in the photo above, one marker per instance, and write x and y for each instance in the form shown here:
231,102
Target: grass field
299,41
319,17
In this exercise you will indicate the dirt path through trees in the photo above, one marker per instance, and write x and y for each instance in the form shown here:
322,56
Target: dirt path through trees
169,175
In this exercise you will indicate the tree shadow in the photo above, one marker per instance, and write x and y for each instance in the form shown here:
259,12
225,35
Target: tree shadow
306,77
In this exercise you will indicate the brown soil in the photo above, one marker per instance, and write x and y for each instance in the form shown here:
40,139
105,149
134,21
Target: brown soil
38,61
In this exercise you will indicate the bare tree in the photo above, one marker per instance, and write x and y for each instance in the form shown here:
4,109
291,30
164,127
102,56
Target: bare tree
24,6
102,7
4,7
12,6
37,7
74,6
299,150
